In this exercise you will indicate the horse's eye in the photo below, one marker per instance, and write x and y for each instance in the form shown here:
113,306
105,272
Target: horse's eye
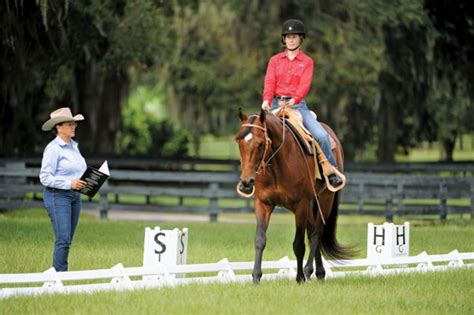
260,146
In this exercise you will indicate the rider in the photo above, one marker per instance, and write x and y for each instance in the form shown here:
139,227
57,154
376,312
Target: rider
288,79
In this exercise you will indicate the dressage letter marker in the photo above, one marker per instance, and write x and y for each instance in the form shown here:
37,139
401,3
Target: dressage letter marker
165,247
388,241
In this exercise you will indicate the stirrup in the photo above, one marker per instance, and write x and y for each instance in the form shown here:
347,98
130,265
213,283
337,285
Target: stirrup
340,175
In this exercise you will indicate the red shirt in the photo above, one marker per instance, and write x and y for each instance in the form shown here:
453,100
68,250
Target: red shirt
287,77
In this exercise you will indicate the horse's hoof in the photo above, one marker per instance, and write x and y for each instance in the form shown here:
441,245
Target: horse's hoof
300,280
321,276
308,274
256,280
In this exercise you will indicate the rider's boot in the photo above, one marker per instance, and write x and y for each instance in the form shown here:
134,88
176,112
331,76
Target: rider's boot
331,173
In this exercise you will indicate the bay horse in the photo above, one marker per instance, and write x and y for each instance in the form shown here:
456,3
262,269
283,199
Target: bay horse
279,173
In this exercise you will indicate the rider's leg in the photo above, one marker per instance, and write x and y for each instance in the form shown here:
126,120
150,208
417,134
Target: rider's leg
320,134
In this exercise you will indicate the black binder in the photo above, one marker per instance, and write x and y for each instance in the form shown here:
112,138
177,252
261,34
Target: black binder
94,179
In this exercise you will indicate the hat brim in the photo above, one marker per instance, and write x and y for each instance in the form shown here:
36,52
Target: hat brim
47,126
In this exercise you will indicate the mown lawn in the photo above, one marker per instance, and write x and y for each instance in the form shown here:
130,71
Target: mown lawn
26,242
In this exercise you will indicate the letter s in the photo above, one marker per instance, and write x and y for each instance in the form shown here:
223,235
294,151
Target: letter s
182,244
163,246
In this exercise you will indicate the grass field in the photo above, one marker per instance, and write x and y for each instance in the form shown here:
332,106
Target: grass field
26,242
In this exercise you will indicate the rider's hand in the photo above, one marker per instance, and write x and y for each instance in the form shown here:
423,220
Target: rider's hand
265,105
291,102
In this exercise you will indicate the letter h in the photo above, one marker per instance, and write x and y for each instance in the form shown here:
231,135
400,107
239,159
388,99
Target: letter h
379,235
401,235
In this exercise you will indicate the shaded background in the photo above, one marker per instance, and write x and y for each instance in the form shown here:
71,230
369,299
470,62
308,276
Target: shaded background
152,77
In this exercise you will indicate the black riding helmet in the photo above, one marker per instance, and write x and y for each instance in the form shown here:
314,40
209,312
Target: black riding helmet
292,26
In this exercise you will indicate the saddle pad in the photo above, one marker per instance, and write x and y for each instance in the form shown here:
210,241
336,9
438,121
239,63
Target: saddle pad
299,137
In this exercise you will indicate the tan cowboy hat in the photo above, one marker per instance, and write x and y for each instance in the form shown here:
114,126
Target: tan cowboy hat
59,116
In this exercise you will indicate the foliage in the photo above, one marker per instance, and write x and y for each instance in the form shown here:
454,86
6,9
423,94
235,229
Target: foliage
146,131
201,97
387,74
73,54
452,93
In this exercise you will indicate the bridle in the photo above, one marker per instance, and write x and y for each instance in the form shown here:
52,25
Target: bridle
262,164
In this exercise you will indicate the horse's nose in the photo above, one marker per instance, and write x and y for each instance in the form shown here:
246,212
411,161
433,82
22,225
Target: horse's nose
248,182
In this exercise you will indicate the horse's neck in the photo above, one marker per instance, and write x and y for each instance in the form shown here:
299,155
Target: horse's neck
289,147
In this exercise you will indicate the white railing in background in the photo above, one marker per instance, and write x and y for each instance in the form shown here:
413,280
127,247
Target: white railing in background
120,278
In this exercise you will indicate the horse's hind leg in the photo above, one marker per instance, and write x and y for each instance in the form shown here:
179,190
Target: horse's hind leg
299,249
320,271
315,253
309,267
299,244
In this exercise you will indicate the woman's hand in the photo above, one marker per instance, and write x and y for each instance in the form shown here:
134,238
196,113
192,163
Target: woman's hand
265,105
78,184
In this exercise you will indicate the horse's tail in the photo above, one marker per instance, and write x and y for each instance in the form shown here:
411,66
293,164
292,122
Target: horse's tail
329,244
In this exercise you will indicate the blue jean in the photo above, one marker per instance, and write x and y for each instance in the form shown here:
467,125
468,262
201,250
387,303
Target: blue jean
314,127
64,207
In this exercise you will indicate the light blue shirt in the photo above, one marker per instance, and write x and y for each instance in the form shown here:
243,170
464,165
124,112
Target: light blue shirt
62,162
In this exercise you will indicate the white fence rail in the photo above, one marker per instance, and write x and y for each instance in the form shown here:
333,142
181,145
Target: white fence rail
120,278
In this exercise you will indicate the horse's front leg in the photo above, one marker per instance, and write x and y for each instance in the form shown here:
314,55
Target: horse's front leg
262,213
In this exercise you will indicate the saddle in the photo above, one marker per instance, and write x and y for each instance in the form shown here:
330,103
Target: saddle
310,144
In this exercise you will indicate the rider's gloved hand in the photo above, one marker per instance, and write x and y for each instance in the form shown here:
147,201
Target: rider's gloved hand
265,105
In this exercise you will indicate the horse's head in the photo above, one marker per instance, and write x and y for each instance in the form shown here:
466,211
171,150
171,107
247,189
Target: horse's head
253,145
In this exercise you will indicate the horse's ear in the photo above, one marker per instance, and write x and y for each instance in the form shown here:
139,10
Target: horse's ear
242,115
262,115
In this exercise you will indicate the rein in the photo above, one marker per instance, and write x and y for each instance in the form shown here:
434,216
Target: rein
313,184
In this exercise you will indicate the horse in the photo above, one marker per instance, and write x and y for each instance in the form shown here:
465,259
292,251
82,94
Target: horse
278,172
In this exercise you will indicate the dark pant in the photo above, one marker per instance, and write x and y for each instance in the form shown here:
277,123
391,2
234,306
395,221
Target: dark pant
64,207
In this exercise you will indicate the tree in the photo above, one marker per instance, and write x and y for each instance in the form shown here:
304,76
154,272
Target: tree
74,54
452,94
208,78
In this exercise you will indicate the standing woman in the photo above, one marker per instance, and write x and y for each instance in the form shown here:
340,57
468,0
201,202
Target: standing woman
61,168
288,78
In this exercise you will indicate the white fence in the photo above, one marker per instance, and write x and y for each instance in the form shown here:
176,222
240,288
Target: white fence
120,278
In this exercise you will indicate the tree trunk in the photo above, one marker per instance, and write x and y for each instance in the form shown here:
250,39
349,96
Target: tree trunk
100,95
448,149
387,135
109,120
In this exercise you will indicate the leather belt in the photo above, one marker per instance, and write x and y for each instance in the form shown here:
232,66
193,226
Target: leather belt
283,98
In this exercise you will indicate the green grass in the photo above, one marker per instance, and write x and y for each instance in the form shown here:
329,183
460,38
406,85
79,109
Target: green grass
436,293
217,148
26,242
